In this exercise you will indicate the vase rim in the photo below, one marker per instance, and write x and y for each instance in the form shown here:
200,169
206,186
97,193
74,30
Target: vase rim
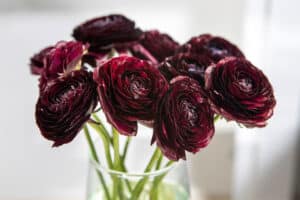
122,174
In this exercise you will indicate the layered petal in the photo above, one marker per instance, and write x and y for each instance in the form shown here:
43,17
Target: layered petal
160,45
107,30
184,121
240,91
65,105
214,47
37,63
188,64
63,58
129,89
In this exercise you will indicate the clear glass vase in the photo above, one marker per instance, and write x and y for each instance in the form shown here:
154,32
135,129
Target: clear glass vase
164,182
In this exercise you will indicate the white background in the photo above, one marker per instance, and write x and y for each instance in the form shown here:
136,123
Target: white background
264,160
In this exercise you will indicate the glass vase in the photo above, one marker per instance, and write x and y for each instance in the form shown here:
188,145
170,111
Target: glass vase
166,181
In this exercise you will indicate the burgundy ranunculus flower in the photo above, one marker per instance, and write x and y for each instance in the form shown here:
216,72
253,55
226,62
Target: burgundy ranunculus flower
160,45
129,89
37,61
215,47
192,65
65,105
62,58
107,30
184,121
239,91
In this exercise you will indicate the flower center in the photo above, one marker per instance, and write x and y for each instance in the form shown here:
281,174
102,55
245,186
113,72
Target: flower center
189,113
138,86
67,93
245,84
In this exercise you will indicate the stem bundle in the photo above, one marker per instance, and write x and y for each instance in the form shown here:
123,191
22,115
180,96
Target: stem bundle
117,163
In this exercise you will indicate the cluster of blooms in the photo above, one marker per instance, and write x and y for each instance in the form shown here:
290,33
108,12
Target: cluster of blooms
176,89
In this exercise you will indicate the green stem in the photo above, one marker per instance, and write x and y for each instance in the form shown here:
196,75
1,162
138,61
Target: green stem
102,127
140,185
156,182
116,149
158,164
216,118
115,187
106,142
152,160
128,185
121,191
95,157
121,159
123,156
117,165
128,140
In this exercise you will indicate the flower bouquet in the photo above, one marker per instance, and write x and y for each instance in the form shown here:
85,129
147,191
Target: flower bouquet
144,77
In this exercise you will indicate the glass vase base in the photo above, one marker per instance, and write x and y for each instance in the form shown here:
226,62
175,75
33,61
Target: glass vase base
165,191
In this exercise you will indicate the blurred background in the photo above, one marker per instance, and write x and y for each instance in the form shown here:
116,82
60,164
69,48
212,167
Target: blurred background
240,164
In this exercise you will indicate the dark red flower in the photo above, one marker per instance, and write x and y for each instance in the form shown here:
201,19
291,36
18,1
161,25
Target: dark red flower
184,121
107,30
239,91
129,89
187,64
37,61
65,105
160,45
62,58
214,47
